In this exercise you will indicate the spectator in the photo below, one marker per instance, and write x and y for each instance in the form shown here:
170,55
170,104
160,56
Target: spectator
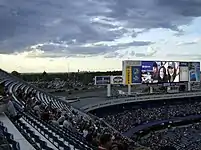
8,106
105,142
37,109
68,123
45,115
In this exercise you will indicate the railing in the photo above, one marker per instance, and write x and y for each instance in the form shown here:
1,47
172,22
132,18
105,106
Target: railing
139,99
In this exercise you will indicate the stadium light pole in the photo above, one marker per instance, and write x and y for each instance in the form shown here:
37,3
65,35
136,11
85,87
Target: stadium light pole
68,67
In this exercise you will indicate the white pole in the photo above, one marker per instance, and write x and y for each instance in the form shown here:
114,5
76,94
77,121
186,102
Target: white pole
129,89
151,89
189,86
108,90
189,82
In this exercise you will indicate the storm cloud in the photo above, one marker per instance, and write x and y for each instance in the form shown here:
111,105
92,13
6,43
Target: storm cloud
66,27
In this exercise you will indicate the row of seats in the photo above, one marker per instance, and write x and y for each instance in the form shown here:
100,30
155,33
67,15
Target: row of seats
54,134
26,131
48,133
75,141
32,137
9,137
59,137
29,133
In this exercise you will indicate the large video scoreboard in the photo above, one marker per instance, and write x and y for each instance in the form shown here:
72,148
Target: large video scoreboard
150,72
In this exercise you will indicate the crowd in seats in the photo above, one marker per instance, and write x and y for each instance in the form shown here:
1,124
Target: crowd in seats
93,131
133,116
50,84
185,137
97,134
58,84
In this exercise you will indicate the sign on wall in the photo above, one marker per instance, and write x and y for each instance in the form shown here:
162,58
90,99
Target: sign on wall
128,75
131,72
102,80
116,79
184,72
136,74
194,71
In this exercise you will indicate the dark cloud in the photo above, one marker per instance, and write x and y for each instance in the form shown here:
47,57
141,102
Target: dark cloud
24,23
155,13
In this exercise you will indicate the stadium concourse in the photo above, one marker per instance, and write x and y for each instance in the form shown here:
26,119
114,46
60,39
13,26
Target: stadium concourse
49,123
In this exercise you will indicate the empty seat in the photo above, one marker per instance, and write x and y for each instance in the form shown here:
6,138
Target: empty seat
9,137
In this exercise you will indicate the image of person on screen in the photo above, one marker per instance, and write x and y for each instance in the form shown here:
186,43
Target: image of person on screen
162,75
163,63
172,72
155,73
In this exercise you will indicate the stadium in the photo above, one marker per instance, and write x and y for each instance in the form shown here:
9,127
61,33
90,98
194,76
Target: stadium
167,116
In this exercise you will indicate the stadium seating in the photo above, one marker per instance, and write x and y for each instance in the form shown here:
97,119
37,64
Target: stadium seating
60,137
9,137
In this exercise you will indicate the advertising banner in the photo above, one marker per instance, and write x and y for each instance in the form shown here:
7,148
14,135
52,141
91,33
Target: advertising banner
128,70
116,80
128,76
136,75
102,80
194,71
183,72
195,86
159,72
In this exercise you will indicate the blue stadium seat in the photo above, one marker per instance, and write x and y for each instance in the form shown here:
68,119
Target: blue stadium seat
42,144
48,131
49,148
14,145
8,135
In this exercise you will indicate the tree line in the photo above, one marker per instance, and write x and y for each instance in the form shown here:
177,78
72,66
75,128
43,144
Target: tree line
84,77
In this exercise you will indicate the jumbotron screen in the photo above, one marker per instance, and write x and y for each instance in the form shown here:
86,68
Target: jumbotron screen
160,71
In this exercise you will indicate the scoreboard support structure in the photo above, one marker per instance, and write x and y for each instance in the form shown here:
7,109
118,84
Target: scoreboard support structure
108,90
189,86
150,89
129,89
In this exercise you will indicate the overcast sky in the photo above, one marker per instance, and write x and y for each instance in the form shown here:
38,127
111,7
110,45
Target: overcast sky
65,35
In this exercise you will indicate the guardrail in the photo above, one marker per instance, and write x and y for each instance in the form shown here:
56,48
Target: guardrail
90,107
